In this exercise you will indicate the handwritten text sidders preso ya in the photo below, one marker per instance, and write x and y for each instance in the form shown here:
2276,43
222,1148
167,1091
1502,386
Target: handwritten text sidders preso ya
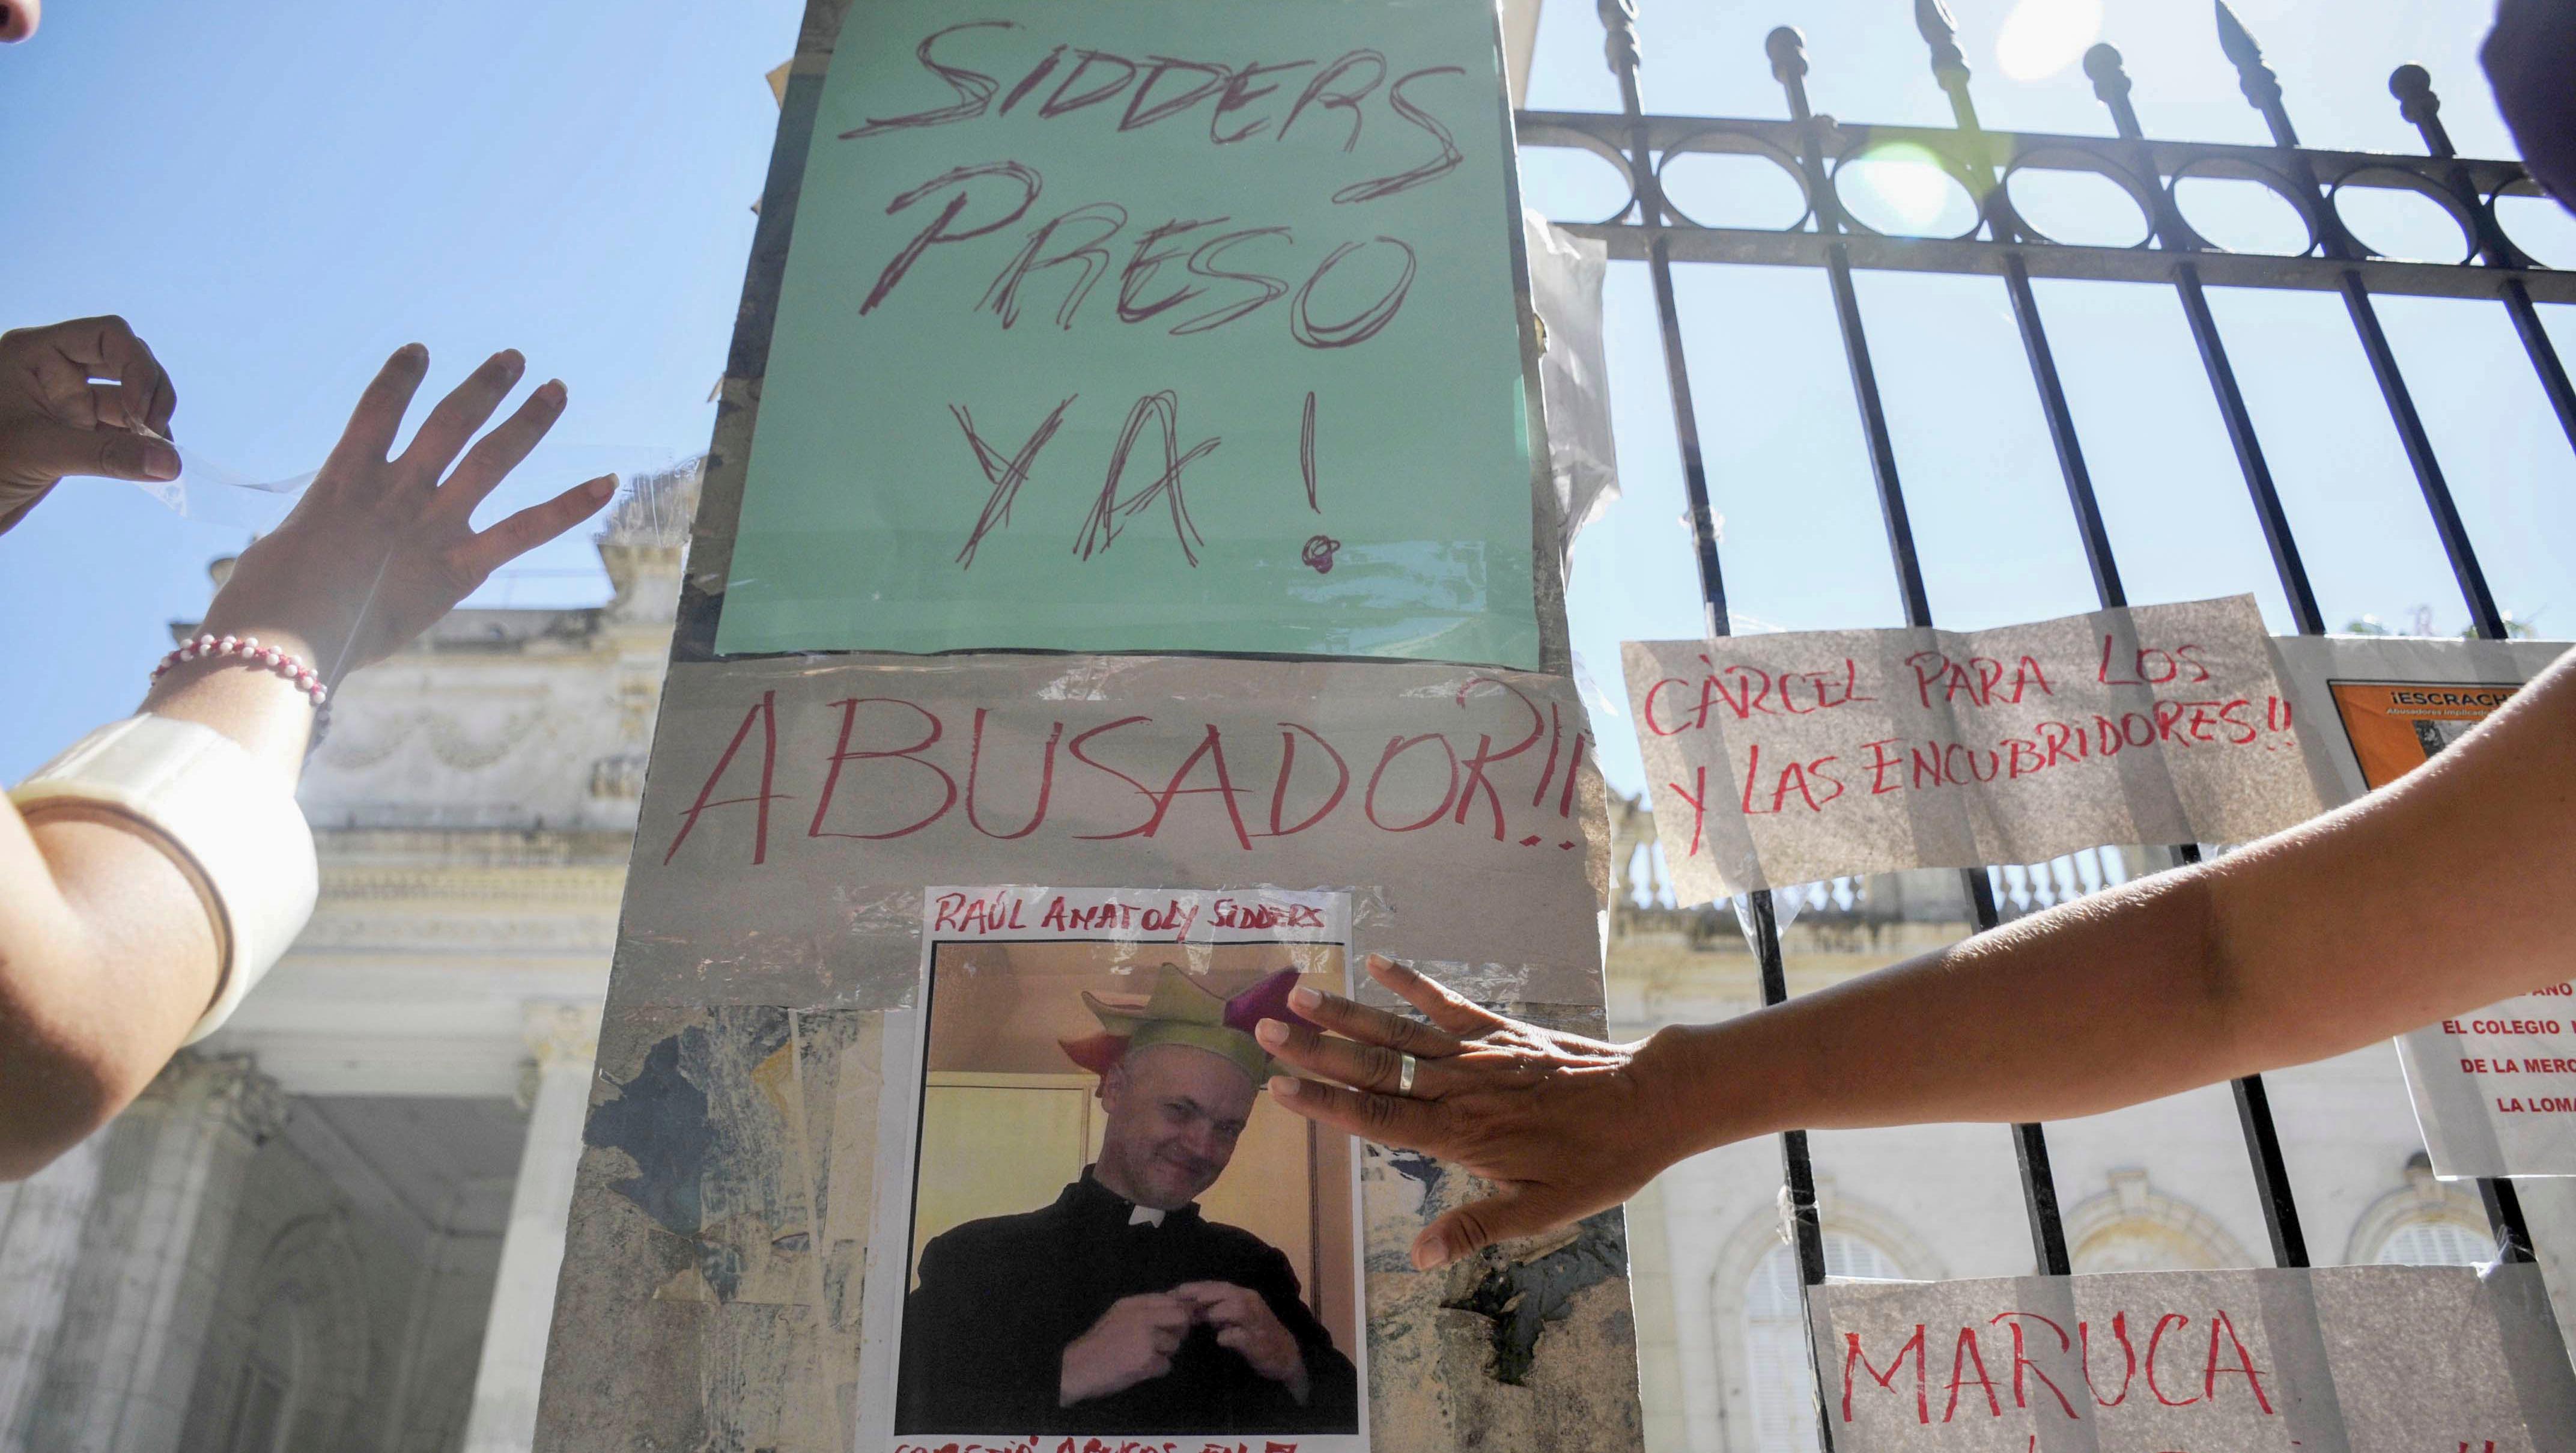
1184,275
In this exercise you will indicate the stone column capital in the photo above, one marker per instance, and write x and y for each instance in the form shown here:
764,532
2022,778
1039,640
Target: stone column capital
228,1089
561,1034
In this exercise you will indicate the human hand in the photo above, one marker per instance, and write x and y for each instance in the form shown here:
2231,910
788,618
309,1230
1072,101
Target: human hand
1132,1342
1245,1323
378,549
55,422
2527,57
1562,1125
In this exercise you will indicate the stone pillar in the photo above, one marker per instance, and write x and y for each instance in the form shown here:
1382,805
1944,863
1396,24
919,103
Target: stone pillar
40,1235
134,1320
564,1038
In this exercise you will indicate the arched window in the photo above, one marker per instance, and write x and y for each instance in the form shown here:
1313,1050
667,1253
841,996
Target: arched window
2133,1227
2425,1222
1775,1337
2436,1242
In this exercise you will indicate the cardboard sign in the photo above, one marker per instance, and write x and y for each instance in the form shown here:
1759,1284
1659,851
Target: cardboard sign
797,808
1167,325
2336,1360
2495,1090
1789,758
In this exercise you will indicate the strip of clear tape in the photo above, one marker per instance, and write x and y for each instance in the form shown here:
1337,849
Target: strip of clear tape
215,492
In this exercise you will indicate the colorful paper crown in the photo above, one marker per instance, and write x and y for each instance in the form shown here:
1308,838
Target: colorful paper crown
1183,1011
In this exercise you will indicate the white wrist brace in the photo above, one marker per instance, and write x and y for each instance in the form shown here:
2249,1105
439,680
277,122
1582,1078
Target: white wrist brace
228,820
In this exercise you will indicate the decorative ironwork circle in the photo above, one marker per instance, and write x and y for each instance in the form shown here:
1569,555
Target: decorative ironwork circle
2302,203
1577,138
2141,194
2398,179
1744,143
2525,188
1947,165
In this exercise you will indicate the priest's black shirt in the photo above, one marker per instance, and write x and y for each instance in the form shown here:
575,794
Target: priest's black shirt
1000,1299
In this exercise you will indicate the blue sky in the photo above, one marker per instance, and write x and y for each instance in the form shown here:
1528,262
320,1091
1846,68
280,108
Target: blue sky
278,195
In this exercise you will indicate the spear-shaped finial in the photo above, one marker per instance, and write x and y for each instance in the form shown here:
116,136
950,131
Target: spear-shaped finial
1940,31
2236,40
2261,87
1619,35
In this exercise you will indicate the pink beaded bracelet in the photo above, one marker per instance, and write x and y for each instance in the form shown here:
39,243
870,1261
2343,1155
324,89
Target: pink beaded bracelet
250,652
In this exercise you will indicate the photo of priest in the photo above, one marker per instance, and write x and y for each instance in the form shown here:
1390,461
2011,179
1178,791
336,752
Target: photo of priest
1128,1303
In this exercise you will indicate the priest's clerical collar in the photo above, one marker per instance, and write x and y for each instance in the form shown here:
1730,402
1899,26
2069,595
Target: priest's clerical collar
1096,1199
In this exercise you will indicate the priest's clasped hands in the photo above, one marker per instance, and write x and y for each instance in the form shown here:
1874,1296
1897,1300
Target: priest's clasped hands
1134,1340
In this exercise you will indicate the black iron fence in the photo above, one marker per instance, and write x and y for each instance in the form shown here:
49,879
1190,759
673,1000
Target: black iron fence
1814,151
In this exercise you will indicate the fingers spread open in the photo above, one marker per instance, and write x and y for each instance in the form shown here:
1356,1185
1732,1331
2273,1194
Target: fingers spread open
1386,1119
444,433
1446,1009
378,417
1371,1025
1367,1066
535,525
1503,1216
497,453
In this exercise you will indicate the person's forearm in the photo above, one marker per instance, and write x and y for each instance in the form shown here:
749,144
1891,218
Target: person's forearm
2454,888
2094,1005
107,957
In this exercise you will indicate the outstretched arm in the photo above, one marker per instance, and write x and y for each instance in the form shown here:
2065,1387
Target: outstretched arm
2454,888
107,956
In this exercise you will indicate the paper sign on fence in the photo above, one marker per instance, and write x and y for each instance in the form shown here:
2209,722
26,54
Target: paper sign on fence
2494,1089
1173,325
1788,758
2338,1360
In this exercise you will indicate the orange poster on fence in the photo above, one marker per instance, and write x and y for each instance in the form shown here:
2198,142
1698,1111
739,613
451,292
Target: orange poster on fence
2396,726
2495,1088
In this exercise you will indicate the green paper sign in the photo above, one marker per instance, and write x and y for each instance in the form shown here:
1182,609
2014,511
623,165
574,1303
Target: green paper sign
1149,325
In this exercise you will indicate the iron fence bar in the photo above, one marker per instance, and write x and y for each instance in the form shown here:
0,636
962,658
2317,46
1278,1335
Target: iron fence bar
1787,50
1797,1165
2412,85
2544,354
2504,1208
2111,86
2263,90
2275,521
2419,454
2253,1107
